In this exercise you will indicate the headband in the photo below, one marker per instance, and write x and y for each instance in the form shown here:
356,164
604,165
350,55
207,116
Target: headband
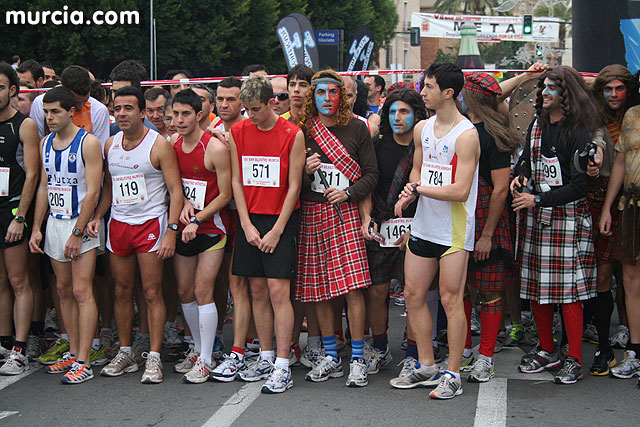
327,80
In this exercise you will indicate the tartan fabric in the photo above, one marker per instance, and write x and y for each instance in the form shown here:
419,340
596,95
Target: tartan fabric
384,263
558,261
332,259
383,208
334,150
492,307
483,83
603,245
490,278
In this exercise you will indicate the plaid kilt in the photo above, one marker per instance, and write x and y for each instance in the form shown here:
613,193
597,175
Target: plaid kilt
332,259
603,245
491,275
626,249
384,263
558,262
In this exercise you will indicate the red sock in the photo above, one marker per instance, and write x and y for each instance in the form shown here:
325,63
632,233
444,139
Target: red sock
238,350
572,314
543,315
490,317
467,313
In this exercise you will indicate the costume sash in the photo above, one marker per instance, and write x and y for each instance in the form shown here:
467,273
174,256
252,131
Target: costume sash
540,185
334,150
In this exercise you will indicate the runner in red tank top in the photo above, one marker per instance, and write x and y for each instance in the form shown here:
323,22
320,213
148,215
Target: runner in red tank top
206,183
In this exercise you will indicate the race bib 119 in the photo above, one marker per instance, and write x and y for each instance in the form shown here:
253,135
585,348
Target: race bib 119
129,189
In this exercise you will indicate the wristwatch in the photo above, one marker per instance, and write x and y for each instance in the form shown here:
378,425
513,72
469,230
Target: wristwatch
348,195
19,219
537,200
415,190
194,220
173,227
77,232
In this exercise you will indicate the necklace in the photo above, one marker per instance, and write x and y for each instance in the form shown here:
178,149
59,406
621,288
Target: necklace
449,130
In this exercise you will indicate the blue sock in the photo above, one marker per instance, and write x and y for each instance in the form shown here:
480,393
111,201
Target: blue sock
412,350
381,342
357,349
330,348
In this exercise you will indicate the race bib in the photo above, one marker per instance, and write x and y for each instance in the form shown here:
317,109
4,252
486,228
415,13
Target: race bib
551,171
435,174
334,177
393,229
129,189
60,199
261,171
194,191
4,181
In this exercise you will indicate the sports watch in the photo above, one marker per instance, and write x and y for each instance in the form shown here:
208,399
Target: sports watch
19,219
194,220
77,232
173,227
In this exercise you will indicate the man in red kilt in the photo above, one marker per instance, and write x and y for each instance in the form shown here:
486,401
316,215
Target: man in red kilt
332,261
614,94
558,263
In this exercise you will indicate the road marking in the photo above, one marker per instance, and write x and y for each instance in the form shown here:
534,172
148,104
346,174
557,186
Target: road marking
6,381
235,406
5,414
491,409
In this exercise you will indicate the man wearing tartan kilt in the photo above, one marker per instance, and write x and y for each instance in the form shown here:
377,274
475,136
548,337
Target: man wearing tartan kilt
341,171
492,263
558,262
387,236
614,91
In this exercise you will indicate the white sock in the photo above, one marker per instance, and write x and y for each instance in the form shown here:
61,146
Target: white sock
126,350
314,342
282,362
267,354
154,353
432,303
455,375
95,344
190,313
208,319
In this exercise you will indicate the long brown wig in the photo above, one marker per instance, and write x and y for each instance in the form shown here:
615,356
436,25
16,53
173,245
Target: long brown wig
485,108
606,76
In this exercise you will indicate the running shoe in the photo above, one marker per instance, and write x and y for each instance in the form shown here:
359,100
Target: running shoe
541,361
252,349
228,369
98,357
16,364
570,372
408,366
152,369
475,325
564,351
257,370
502,338
357,373
467,363
35,347
187,363
78,374
310,357
516,335
602,361
294,354
170,337
368,350
141,345
279,381
55,352
379,360
448,387
107,341
527,319
4,353
50,321
199,373
590,334
179,353
482,371
629,366
63,365
415,376
531,354
218,348
325,369
620,338
119,365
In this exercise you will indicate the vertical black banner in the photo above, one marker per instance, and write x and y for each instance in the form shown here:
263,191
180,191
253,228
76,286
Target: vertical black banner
290,36
309,44
360,49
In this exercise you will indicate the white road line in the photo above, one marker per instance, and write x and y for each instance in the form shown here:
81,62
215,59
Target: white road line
235,406
5,414
491,409
6,381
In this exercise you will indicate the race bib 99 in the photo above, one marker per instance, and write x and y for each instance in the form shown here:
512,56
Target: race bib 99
551,171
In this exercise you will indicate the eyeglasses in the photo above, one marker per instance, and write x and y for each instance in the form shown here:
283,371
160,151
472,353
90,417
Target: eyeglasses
283,96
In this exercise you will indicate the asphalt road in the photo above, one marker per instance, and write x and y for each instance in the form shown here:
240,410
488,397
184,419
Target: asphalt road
512,399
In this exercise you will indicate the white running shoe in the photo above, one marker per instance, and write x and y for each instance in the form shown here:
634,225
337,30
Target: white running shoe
187,364
152,370
278,382
16,364
199,373
325,369
357,373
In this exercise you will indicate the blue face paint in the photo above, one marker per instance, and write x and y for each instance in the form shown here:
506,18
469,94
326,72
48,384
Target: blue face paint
607,93
547,88
321,99
408,121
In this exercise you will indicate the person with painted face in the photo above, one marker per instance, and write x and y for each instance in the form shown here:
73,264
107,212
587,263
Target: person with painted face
394,151
332,259
491,263
557,260
614,91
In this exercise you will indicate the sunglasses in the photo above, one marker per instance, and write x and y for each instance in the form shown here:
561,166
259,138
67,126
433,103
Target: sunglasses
283,96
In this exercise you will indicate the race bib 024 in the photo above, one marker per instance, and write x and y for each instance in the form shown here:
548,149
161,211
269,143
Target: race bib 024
194,191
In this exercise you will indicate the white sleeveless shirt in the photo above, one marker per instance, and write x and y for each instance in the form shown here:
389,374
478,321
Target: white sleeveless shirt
139,192
445,223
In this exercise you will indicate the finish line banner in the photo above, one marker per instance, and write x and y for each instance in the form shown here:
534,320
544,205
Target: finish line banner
490,28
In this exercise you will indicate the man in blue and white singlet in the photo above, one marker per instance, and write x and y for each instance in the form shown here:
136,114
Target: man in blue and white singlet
69,189
444,178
